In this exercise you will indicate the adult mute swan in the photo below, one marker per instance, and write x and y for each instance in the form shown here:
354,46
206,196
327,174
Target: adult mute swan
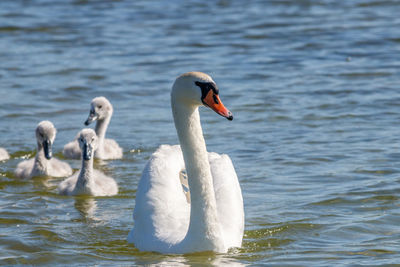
100,110
3,154
88,181
43,164
200,212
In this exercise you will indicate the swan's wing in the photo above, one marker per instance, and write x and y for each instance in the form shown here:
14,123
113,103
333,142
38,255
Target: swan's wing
112,149
59,168
161,212
72,150
24,168
229,198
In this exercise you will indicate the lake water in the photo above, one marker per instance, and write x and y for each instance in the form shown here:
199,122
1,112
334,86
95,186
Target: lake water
314,87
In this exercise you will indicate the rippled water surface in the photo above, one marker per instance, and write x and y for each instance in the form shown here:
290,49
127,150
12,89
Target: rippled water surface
314,87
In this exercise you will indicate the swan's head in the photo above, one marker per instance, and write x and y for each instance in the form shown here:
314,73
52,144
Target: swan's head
45,135
100,108
87,142
197,89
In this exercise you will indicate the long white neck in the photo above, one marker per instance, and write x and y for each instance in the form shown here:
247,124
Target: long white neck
101,128
204,231
85,178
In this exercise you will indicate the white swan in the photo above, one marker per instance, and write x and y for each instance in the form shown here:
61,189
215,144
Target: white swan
88,181
43,164
3,154
100,110
204,212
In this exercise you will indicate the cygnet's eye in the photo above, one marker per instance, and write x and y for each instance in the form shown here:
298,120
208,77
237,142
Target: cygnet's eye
92,138
99,106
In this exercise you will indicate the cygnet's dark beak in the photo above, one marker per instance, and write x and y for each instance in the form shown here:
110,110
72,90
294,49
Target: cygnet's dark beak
86,151
92,117
47,149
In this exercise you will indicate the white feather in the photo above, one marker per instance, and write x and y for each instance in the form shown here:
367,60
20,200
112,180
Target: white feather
209,217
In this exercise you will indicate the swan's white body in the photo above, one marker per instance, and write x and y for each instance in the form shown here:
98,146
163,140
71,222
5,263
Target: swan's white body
88,181
101,110
166,219
42,165
3,154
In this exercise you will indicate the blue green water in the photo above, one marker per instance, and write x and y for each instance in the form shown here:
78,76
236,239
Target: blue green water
314,88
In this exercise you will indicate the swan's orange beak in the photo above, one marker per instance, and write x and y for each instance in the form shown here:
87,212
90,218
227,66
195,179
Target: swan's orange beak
212,100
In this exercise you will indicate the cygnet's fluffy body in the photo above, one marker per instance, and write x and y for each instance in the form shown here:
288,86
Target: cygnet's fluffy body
88,181
3,154
43,164
101,111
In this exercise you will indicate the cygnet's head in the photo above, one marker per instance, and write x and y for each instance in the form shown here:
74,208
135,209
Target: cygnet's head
87,142
197,89
45,135
100,108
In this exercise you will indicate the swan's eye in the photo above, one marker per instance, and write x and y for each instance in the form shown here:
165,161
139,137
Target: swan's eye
99,106
207,87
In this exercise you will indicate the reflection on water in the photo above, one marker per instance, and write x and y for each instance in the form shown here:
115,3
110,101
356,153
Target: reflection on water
203,258
86,206
41,183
